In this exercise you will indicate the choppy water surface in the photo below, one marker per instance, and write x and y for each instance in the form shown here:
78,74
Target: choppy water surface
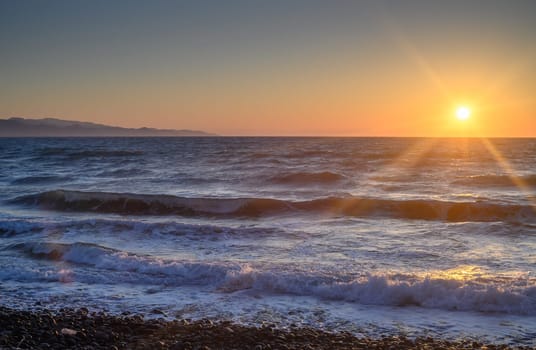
374,236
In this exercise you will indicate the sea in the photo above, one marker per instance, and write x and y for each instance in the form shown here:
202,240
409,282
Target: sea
372,236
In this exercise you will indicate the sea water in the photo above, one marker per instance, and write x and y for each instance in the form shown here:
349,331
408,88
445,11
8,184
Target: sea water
375,236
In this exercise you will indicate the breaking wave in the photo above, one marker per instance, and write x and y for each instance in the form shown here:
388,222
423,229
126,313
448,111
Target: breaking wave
515,295
145,204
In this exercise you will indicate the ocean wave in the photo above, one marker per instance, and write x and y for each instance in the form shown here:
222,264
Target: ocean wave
52,151
145,204
515,294
16,227
85,253
123,173
298,154
498,181
9,228
133,268
305,178
103,154
76,154
39,180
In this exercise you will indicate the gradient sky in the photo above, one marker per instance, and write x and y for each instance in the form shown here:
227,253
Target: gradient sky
352,68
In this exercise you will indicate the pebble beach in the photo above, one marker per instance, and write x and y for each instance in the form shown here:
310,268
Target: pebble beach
81,329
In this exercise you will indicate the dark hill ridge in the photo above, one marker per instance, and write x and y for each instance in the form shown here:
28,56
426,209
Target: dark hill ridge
20,127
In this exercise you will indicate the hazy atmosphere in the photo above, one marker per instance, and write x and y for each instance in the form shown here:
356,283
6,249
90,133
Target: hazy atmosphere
349,68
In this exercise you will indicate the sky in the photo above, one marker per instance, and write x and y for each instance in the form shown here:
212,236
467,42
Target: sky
278,67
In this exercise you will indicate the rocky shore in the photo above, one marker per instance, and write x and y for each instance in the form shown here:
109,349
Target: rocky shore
81,329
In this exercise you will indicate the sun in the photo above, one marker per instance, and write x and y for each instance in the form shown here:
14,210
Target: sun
463,112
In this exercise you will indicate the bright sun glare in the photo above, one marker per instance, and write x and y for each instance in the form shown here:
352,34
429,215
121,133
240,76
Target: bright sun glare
463,113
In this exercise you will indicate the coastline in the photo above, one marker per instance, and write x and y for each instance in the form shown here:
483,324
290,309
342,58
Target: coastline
81,329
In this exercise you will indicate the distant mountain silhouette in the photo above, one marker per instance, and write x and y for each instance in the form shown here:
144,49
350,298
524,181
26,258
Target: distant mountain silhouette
20,127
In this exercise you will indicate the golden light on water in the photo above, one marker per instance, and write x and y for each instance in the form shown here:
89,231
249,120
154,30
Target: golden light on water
460,273
510,171
473,273
463,112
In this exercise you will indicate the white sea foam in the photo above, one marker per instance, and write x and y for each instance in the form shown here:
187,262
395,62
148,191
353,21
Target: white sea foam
450,294
516,295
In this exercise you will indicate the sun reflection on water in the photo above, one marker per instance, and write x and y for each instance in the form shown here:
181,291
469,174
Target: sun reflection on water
460,273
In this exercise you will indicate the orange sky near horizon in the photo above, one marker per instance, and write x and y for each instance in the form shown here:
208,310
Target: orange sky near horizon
362,70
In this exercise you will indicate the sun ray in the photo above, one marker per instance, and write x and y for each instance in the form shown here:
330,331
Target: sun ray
425,67
405,161
510,171
409,158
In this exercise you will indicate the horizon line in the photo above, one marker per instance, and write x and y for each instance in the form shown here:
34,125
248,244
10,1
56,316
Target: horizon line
275,136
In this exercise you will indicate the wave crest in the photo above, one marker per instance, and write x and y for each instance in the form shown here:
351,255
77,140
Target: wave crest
145,204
